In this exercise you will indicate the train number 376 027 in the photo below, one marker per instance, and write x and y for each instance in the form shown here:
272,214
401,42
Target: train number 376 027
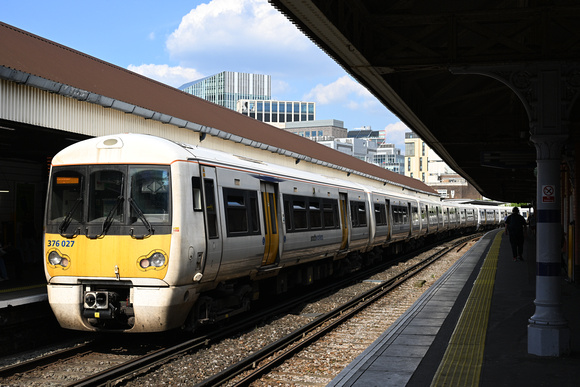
58,243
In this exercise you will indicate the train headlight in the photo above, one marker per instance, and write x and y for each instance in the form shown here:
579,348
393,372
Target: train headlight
56,259
157,260
153,260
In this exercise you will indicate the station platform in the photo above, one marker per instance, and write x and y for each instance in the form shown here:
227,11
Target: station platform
470,329
22,295
23,290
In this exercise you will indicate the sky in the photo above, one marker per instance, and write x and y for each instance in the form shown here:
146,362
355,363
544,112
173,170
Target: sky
179,41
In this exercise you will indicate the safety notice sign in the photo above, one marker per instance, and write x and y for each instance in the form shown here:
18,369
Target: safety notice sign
548,192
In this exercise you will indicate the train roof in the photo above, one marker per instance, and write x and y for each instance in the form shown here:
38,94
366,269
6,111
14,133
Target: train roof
134,148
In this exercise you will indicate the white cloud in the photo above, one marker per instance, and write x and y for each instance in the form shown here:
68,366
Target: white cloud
343,90
395,134
173,76
247,36
252,28
279,87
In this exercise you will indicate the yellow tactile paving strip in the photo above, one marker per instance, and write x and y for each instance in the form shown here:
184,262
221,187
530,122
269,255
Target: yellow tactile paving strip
463,360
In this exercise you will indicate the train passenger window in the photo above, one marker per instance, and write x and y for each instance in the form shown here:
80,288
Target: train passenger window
358,214
287,215
397,215
330,216
242,217
210,208
400,215
415,214
315,214
305,213
196,187
254,213
299,215
380,214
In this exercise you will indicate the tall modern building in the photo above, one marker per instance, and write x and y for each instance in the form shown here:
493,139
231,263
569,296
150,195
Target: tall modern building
416,157
362,149
390,158
367,133
422,163
277,113
227,87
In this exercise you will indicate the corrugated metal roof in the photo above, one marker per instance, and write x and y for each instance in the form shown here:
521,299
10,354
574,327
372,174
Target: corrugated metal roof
35,55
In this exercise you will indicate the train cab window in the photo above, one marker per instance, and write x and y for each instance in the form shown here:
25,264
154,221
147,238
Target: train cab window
242,216
66,196
150,194
358,213
380,214
106,195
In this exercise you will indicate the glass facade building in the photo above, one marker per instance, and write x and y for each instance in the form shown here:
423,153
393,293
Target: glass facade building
227,87
390,158
275,112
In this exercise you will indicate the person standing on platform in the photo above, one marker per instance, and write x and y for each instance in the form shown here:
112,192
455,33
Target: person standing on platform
515,225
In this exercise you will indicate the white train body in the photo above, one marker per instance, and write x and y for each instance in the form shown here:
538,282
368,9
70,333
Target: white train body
143,234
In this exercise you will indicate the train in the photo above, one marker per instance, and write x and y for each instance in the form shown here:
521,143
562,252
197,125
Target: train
145,234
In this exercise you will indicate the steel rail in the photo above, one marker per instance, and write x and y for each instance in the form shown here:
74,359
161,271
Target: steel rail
286,347
140,365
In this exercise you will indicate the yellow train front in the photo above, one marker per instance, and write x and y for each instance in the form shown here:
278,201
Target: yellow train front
112,240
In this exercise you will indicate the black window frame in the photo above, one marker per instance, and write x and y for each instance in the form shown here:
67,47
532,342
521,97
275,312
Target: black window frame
358,214
306,213
380,210
248,206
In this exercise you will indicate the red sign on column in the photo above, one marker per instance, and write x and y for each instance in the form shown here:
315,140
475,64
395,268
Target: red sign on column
548,192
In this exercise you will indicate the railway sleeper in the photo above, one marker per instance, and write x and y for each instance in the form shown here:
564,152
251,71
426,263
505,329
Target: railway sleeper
231,299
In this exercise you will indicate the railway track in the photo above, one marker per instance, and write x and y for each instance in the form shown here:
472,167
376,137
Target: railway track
261,365
98,363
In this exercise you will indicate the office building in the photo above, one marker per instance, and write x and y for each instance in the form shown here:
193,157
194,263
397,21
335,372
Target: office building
227,87
390,158
277,113
364,150
317,130
422,163
416,157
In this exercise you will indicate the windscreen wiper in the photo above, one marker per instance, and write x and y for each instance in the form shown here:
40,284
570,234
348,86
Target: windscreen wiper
67,219
108,221
143,219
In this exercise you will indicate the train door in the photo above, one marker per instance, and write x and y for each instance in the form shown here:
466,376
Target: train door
344,220
272,235
213,249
